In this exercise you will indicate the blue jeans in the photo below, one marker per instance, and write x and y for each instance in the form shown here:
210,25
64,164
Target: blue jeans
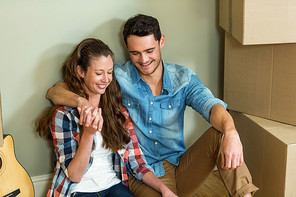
114,191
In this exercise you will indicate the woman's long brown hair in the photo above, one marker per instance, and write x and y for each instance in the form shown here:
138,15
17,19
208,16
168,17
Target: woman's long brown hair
113,133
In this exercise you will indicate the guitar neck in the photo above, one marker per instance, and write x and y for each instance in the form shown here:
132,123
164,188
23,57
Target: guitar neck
1,125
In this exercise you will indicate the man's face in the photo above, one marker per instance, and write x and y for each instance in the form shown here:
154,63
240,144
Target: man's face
145,53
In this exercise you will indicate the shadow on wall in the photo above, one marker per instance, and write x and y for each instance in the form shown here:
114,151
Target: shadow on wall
111,33
192,132
221,52
48,72
29,154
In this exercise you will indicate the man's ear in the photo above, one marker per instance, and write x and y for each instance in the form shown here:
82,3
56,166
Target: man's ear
80,71
162,40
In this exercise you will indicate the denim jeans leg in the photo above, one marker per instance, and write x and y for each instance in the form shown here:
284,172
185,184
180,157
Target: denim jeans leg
83,194
119,190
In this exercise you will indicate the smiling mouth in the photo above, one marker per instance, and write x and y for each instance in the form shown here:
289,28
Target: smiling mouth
147,64
102,86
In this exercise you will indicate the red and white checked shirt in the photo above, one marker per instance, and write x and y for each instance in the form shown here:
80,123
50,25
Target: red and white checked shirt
65,132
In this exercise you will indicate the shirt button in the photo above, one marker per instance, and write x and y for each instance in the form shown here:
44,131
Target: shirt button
151,103
150,131
150,118
170,106
155,143
129,104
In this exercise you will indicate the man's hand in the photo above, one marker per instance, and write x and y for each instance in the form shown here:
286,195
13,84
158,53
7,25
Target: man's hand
231,151
231,147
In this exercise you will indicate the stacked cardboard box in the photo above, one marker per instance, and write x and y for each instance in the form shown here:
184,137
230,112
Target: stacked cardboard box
261,79
260,88
270,154
259,22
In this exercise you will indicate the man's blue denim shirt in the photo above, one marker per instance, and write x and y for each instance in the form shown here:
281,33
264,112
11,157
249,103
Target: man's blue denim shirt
159,120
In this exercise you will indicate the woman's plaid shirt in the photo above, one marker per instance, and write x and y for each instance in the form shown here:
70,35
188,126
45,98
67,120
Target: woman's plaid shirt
65,132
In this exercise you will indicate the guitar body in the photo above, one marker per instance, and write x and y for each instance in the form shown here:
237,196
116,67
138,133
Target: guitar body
14,180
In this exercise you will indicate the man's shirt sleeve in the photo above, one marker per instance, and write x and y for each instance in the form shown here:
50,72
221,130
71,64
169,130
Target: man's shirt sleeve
200,97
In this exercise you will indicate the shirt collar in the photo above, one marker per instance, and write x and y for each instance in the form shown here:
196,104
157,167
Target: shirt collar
135,76
166,85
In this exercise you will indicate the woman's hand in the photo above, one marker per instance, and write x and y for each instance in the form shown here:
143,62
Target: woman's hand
91,117
91,122
152,181
166,192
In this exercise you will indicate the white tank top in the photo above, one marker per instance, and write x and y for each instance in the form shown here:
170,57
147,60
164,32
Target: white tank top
100,175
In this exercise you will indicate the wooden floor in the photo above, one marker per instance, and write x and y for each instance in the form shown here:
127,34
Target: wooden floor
213,187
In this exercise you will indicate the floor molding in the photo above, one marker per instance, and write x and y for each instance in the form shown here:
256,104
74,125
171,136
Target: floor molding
41,184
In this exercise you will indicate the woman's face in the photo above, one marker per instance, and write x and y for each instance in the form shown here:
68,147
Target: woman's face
98,75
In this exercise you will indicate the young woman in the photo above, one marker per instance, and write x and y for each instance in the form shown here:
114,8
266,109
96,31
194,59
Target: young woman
94,154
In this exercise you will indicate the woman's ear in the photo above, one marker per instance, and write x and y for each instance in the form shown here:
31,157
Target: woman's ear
80,71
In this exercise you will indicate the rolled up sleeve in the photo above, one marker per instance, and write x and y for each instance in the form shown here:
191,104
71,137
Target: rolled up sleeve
64,139
200,98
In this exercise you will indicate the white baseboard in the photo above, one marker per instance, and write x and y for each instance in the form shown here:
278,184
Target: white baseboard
41,184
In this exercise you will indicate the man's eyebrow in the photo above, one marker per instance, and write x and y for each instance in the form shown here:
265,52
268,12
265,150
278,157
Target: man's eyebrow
150,49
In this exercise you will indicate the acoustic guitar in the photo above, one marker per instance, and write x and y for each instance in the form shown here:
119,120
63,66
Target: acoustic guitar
14,180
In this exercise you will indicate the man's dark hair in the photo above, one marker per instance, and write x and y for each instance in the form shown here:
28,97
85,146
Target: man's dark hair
141,25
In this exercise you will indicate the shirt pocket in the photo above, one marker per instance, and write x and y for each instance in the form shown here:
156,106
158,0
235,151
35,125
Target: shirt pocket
133,108
170,105
170,111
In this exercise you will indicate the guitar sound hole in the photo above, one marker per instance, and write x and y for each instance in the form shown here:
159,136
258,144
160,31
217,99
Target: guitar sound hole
0,163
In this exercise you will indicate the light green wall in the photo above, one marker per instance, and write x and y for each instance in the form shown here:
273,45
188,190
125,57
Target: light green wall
36,36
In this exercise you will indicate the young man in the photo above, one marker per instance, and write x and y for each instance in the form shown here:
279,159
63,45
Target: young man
156,95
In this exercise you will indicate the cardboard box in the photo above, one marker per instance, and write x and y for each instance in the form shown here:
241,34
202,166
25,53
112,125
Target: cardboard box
259,22
270,154
261,79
